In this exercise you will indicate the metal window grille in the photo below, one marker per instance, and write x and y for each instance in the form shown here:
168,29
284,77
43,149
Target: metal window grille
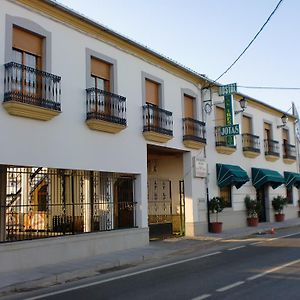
44,202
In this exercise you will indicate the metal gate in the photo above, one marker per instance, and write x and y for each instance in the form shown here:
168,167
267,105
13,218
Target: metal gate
159,207
165,215
182,207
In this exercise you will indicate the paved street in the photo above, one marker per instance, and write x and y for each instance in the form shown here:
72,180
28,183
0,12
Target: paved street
267,267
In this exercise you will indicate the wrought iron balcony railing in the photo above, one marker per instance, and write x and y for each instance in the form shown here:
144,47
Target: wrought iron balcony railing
105,106
157,119
272,147
31,86
251,142
194,130
289,151
223,141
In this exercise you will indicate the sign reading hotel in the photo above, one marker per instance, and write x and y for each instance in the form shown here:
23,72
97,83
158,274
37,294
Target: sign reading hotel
231,129
227,89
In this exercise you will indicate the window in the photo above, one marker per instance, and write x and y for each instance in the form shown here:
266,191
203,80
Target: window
152,92
267,131
100,74
101,81
225,193
27,48
220,116
27,51
285,141
285,136
289,195
247,124
189,104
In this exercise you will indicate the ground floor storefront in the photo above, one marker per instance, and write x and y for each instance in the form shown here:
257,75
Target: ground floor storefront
52,215
234,183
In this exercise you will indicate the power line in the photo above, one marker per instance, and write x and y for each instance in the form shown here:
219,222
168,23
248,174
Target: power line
250,42
268,87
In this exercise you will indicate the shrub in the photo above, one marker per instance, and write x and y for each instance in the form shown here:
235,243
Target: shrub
216,205
279,203
253,207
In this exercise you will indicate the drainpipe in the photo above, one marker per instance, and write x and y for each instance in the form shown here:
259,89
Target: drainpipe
205,156
199,87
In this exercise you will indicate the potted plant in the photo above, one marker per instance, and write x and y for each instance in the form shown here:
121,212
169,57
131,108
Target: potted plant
216,205
278,204
253,208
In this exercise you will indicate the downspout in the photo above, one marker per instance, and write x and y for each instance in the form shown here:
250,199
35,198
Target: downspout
205,157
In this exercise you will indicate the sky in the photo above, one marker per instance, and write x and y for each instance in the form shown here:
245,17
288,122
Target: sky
208,35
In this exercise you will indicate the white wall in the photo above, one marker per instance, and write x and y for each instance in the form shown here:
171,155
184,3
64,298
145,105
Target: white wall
65,141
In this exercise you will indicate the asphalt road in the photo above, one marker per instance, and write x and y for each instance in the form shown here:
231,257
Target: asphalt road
239,269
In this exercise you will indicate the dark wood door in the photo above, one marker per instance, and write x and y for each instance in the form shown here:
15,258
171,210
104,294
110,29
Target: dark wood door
124,210
261,197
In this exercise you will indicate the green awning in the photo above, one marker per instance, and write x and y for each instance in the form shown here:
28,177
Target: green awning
261,177
231,175
292,179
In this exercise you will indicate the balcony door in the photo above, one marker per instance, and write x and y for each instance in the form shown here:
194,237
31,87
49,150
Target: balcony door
27,51
124,203
247,131
285,141
152,99
267,137
100,80
189,104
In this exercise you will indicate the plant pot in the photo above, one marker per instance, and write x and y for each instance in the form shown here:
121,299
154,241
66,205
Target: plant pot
253,222
279,217
216,227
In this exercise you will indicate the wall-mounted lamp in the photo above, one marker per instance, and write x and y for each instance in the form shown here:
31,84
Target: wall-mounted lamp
243,105
284,119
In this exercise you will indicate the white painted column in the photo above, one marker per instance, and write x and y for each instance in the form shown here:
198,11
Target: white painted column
88,200
195,199
142,200
3,180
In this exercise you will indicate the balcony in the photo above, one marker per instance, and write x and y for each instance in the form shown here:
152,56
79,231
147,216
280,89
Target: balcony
105,111
223,143
289,153
271,150
194,133
251,145
158,124
31,93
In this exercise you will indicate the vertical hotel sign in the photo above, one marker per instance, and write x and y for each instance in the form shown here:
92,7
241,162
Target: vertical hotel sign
229,117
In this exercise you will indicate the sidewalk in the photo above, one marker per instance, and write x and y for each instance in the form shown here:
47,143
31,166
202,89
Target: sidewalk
55,274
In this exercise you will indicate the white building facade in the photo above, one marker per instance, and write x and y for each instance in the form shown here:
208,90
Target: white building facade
264,148
105,142
90,119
